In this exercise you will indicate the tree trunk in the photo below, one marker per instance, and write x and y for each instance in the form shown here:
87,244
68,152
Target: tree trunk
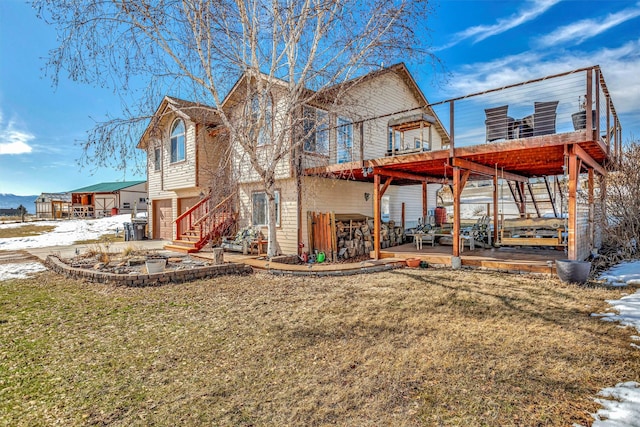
272,246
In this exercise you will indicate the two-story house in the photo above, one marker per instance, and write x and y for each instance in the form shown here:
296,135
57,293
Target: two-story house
382,114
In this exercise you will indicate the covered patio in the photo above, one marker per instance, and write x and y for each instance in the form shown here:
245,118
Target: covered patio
581,154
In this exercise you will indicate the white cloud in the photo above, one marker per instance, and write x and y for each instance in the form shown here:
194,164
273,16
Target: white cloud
578,32
12,140
530,11
620,67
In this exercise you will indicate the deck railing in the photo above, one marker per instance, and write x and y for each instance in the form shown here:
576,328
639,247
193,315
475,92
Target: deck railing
563,103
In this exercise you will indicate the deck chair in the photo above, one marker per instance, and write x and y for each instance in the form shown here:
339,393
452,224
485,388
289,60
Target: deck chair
498,124
544,118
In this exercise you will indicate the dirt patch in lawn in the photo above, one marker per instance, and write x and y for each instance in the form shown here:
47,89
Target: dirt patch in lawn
407,347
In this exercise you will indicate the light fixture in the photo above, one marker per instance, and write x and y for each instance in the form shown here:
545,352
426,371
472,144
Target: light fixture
366,196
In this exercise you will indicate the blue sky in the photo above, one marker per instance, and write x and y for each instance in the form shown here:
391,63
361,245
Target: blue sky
482,44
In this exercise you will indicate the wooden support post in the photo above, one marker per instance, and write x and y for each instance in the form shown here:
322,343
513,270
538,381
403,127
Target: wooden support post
573,207
424,203
456,211
376,216
591,210
495,209
402,218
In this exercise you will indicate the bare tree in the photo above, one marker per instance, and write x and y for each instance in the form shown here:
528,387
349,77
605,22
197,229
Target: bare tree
621,229
289,53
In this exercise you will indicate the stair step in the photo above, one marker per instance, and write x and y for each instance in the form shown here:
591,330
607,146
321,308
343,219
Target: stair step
180,248
187,243
189,238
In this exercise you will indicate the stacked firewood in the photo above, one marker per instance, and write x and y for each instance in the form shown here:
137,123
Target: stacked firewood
356,238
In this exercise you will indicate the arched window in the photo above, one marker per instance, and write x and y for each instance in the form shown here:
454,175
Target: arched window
177,141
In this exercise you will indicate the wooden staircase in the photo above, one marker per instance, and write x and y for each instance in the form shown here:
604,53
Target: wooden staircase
539,196
201,224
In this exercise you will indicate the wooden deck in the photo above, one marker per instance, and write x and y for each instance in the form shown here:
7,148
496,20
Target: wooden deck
525,260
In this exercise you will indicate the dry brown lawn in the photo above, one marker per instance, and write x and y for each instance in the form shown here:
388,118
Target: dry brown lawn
409,347
25,230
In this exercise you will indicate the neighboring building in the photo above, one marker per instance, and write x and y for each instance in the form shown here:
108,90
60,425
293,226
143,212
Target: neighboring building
109,198
53,205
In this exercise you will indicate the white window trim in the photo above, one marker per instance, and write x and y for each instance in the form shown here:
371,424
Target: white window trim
266,213
184,142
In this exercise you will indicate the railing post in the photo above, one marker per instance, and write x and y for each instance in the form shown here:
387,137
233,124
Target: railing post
589,102
451,129
597,77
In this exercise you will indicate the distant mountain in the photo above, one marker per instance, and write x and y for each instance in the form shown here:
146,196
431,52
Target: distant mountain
8,201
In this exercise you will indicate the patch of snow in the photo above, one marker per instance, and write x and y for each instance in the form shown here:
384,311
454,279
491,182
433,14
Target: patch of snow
621,406
625,273
66,232
20,270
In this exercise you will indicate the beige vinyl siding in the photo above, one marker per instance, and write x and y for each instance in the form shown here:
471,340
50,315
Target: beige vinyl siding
380,96
182,174
287,232
172,181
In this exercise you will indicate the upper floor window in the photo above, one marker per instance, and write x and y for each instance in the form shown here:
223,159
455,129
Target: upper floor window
261,120
177,141
316,130
156,159
393,135
344,140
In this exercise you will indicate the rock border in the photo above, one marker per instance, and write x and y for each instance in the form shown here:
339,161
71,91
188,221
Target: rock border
140,280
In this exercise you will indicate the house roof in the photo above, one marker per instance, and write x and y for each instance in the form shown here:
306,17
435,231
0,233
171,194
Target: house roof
62,197
107,187
193,111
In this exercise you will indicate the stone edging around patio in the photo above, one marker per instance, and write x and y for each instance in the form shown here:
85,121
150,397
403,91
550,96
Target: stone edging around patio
139,280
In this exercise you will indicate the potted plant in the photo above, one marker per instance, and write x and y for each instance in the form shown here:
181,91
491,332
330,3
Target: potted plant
570,271
155,264
413,262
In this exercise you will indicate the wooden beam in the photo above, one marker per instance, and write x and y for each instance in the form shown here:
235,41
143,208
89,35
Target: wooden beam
456,211
386,186
486,170
409,176
551,198
588,160
463,181
376,216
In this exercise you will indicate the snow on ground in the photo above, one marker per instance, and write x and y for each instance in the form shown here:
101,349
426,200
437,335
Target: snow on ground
625,273
66,232
621,403
19,270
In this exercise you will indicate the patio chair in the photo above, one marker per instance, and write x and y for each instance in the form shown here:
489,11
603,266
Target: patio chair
544,118
498,124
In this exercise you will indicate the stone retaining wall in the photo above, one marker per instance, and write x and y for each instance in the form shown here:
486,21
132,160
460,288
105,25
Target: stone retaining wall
138,280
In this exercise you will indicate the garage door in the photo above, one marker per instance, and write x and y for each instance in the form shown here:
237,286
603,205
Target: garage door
162,220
